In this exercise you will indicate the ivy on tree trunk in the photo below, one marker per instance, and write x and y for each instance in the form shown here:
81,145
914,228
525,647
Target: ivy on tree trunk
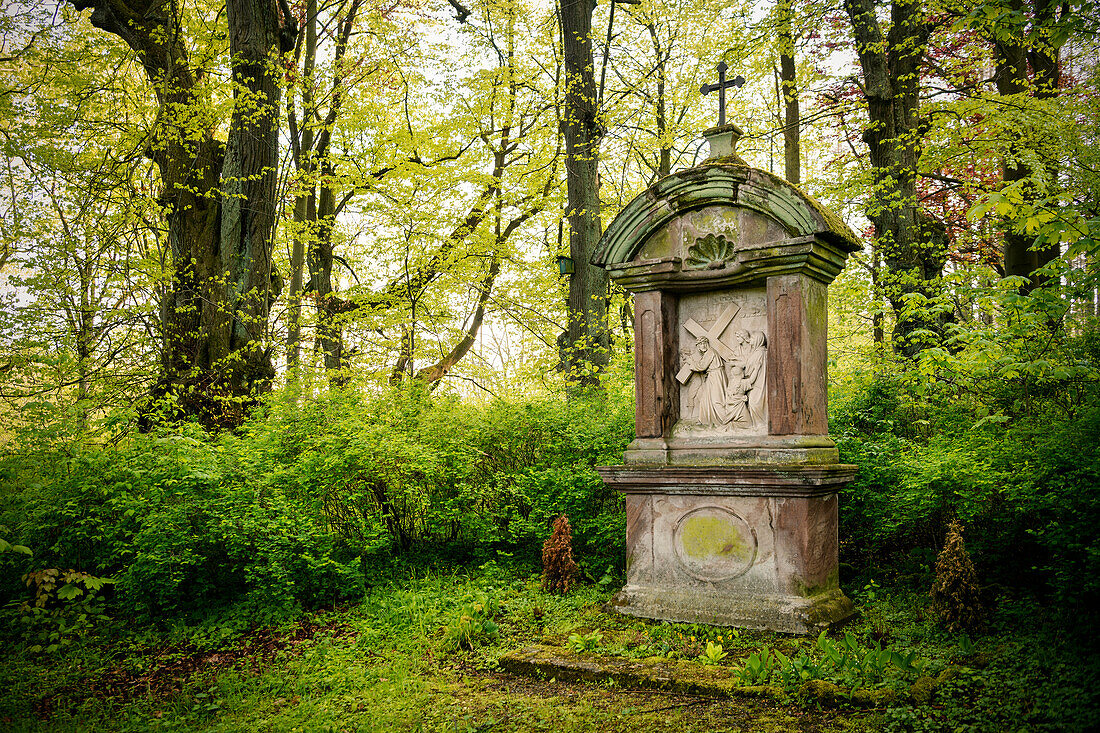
913,246
587,337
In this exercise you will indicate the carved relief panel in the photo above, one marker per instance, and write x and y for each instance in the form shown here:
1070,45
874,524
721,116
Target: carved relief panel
722,367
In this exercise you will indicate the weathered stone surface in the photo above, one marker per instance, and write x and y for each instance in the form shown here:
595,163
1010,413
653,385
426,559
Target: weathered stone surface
752,547
733,186
690,678
726,328
731,480
797,328
657,395
654,674
785,613
733,450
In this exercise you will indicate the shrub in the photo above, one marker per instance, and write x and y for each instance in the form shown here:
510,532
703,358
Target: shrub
65,606
282,514
181,526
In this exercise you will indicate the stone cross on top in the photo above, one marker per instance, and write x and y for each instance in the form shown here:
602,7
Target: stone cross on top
721,88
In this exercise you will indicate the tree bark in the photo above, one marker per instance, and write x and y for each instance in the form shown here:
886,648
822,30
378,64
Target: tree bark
248,192
1014,54
664,159
317,205
305,205
792,151
587,335
913,251
218,201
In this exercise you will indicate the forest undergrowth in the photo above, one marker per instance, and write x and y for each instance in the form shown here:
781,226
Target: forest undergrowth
359,561
385,664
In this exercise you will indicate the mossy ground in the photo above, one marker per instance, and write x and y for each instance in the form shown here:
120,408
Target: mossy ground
379,666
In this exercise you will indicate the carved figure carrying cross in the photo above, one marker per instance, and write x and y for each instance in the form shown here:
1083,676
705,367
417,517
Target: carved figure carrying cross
712,336
721,87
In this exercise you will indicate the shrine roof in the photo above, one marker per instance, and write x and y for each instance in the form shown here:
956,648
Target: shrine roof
724,181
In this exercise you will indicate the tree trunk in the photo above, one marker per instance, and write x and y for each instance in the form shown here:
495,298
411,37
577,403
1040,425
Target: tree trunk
435,372
329,335
310,142
792,151
664,160
297,264
587,336
1013,53
912,250
878,329
305,204
219,204
248,194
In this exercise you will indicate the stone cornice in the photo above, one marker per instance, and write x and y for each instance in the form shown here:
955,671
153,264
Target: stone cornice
817,258
790,481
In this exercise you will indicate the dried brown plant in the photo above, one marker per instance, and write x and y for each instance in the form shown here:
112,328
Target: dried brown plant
559,571
956,597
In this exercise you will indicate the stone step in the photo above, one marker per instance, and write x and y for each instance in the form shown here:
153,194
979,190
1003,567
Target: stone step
653,673
691,678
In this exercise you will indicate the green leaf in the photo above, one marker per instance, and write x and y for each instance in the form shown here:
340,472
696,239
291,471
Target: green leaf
68,592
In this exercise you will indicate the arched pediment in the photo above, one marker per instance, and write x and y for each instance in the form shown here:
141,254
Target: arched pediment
745,205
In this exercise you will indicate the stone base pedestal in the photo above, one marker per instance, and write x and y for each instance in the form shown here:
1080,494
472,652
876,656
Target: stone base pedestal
746,546
786,614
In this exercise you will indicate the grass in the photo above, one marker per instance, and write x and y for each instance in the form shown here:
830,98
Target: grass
381,666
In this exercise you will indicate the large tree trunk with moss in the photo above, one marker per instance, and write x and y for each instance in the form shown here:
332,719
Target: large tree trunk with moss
913,247
587,336
218,201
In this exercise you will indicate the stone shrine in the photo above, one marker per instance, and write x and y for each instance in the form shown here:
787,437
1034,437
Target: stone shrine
731,481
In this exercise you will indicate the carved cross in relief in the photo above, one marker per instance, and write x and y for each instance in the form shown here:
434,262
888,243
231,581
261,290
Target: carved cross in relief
713,336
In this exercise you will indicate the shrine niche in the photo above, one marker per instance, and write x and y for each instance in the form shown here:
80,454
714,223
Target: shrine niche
731,481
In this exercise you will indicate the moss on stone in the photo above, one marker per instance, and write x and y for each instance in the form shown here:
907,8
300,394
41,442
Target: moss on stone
827,694
922,690
831,582
731,160
874,697
704,537
653,673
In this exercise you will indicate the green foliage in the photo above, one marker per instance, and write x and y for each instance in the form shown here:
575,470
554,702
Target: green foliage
757,668
713,654
380,653
473,624
409,471
179,526
1000,434
797,668
587,642
6,546
845,661
306,504
66,606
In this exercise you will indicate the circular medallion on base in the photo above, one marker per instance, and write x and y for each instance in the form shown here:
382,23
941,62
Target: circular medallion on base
712,543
